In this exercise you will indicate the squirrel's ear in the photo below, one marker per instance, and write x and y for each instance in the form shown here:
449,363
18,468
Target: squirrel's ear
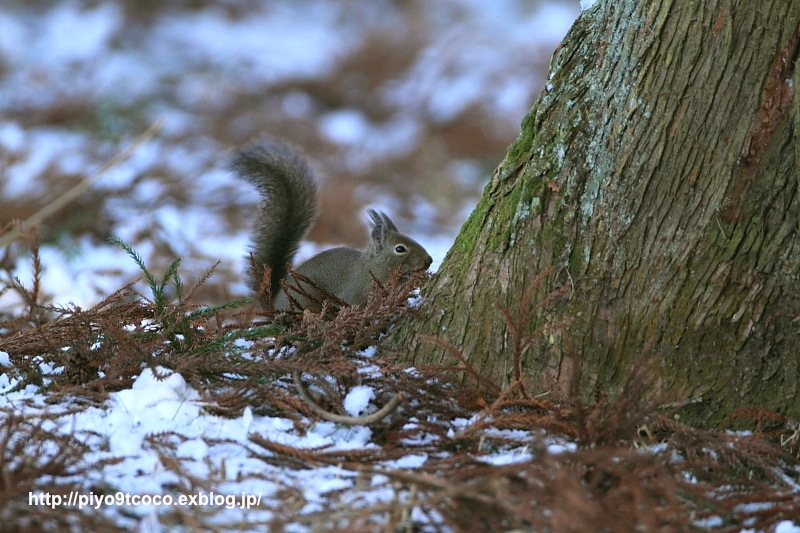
382,225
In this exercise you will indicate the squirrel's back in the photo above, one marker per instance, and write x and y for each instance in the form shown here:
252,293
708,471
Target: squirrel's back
288,210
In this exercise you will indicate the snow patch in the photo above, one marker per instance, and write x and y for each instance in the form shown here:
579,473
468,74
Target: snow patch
357,400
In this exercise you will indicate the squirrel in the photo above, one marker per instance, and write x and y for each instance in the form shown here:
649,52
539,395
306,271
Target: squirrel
289,208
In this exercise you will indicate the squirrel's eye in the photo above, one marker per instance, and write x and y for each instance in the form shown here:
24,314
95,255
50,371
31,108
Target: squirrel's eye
400,249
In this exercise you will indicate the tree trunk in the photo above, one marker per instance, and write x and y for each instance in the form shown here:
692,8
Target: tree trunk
658,173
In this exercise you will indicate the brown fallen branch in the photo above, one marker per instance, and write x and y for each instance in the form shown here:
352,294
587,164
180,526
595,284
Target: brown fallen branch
381,413
72,194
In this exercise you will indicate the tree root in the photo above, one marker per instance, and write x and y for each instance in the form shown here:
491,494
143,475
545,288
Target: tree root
381,413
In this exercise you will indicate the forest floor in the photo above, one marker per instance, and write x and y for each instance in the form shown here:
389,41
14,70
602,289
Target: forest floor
126,375
193,409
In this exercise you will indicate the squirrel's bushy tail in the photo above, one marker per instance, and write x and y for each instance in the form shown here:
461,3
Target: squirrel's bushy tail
289,207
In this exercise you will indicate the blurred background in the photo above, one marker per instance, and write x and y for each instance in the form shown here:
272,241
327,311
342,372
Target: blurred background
401,105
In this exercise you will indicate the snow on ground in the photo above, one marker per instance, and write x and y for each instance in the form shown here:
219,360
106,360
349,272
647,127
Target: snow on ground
211,448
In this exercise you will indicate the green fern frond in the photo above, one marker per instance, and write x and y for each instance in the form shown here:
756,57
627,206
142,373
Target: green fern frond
151,280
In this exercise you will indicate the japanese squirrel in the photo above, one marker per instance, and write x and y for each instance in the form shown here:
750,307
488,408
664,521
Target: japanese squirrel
288,210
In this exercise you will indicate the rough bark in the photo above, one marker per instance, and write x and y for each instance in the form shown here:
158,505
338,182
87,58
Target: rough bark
658,172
